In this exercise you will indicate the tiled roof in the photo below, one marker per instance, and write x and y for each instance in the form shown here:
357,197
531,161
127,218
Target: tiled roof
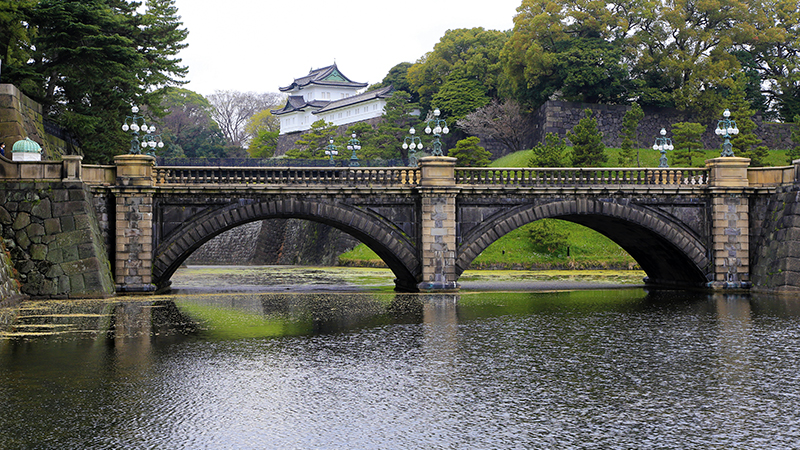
326,76
297,103
360,98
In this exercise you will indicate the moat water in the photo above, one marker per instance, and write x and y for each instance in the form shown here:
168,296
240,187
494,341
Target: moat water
593,369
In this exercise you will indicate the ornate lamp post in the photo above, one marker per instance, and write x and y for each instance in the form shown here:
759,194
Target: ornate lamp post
439,128
331,151
354,144
135,124
412,143
152,141
726,128
663,144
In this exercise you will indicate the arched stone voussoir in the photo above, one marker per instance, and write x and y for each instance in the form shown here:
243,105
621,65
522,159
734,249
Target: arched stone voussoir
382,236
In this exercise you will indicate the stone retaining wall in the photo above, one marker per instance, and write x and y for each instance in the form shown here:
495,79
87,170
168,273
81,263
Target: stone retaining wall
51,231
275,242
9,285
775,230
560,117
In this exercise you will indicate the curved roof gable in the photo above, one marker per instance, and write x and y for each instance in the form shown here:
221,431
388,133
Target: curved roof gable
326,76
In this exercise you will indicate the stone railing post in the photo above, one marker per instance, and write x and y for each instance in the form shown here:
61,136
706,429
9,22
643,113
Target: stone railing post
71,167
730,228
133,269
438,190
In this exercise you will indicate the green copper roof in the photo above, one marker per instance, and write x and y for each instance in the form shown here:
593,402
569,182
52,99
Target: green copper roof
26,146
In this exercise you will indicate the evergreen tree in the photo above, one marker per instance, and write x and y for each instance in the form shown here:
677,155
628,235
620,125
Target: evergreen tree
312,144
469,153
587,143
394,125
742,112
550,153
630,125
794,152
88,61
686,139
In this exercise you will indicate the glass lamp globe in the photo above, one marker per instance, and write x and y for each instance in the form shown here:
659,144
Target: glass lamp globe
445,130
125,127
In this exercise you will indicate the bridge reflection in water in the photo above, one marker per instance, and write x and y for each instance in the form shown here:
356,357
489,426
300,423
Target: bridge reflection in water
620,369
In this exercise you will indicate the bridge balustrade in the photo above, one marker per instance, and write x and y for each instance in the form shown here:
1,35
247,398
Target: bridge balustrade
580,176
367,176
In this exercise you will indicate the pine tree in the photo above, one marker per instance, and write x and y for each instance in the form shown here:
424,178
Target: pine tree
469,153
794,152
312,144
686,138
587,143
630,124
744,143
550,153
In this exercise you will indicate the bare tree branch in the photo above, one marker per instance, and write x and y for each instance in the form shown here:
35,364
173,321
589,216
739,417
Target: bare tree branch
502,122
232,110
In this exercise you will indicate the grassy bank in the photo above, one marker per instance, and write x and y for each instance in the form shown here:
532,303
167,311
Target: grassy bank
586,249
647,158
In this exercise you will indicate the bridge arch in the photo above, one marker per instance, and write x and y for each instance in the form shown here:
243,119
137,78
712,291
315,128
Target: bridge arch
386,240
667,251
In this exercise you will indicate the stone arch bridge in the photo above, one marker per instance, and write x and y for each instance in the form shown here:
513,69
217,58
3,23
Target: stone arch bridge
685,227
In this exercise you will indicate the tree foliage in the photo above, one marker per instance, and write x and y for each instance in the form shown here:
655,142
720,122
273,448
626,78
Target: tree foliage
629,131
547,237
794,152
88,61
679,53
461,54
469,153
188,129
686,139
312,144
550,153
587,143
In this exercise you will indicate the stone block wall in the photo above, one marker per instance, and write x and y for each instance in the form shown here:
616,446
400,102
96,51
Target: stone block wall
9,284
275,242
52,234
560,117
775,233
21,117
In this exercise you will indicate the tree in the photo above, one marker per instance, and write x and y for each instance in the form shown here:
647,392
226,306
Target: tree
551,153
587,143
745,143
459,97
264,129
399,115
469,153
575,48
397,77
794,152
686,139
470,54
188,125
502,122
233,109
312,144
630,125
547,237
88,61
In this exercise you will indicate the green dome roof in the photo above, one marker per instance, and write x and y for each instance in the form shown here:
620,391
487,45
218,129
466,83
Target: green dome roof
26,146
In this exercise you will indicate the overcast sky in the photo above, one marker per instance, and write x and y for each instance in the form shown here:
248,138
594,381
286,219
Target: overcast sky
258,45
